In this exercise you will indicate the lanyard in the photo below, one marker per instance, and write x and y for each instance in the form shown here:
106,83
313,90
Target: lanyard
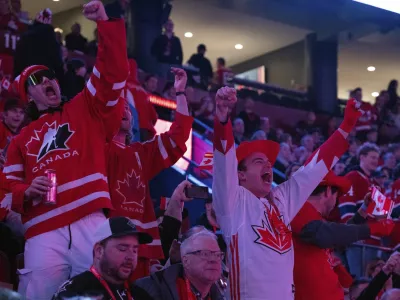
105,285
189,292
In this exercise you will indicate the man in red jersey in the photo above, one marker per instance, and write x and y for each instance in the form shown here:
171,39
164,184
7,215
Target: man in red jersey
68,138
314,239
13,116
361,182
131,167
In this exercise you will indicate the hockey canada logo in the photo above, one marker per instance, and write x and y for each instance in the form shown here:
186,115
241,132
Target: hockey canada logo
132,189
272,236
48,139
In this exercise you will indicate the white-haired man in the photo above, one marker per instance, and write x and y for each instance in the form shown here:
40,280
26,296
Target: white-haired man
195,278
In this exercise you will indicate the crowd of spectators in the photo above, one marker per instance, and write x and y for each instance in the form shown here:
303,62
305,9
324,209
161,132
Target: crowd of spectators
143,252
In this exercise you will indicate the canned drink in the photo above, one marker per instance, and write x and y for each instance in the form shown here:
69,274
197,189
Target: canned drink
51,195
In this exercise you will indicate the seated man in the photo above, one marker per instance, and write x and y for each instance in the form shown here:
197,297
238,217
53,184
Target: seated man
114,260
195,278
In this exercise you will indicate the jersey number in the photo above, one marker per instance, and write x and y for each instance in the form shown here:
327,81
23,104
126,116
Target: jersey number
10,41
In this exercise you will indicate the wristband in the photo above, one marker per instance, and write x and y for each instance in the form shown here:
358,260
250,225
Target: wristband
180,93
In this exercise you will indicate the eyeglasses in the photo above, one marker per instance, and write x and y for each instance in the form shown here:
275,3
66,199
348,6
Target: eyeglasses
207,254
37,77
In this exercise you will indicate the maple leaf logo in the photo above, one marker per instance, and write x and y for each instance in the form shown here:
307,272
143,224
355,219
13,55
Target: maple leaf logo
272,237
48,139
132,189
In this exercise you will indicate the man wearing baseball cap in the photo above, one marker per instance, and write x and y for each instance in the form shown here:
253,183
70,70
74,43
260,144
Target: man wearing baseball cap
314,240
255,217
62,142
115,256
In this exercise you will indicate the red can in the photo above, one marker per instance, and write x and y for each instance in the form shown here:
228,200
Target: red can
51,196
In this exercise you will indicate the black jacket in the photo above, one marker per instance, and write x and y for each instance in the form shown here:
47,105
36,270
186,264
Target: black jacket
161,285
160,45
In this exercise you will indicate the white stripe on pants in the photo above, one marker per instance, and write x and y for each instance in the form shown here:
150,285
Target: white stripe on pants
49,261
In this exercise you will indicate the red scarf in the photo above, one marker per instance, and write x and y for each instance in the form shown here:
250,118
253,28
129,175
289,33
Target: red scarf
184,290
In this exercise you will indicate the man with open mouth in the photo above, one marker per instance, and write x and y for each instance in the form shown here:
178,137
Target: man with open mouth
68,140
254,216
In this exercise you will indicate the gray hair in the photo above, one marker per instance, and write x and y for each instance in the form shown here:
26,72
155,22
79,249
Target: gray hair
186,245
389,293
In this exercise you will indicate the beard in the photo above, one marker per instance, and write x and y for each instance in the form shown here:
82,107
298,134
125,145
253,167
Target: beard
111,271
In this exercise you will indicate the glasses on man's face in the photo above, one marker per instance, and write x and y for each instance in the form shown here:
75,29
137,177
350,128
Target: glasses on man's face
207,254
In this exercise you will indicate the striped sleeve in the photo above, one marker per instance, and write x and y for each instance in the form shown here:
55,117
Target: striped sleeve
15,176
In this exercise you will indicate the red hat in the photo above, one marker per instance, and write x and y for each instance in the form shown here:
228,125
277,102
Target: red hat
340,182
269,148
20,80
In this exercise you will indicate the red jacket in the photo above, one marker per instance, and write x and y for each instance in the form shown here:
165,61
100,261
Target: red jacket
130,168
369,118
69,142
5,136
314,276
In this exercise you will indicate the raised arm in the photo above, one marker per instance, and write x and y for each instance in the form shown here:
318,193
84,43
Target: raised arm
166,149
225,177
104,88
296,190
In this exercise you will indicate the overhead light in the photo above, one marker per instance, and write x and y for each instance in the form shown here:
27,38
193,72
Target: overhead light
56,0
58,29
371,68
188,34
375,94
239,46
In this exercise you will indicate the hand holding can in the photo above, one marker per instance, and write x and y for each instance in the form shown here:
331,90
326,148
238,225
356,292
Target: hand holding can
51,195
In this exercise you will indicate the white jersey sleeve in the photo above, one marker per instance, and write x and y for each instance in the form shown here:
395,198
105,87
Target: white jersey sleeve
295,192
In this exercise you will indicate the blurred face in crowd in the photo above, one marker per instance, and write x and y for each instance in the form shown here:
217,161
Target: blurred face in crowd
372,136
116,258
370,161
311,118
209,103
238,126
81,71
390,160
265,124
249,105
285,152
353,148
46,94
169,26
308,142
328,198
14,117
339,168
256,174
151,84
392,294
259,136
59,37
126,124
124,3
198,266
358,94
292,171
76,28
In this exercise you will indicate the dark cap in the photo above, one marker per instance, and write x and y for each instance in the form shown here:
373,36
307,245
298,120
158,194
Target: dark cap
202,47
119,227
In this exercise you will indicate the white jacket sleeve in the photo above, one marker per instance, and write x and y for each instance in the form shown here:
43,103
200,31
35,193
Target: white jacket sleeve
295,192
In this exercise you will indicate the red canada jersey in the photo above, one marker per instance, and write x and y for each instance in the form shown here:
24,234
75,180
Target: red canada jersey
395,196
352,201
314,276
5,137
130,168
68,142
368,119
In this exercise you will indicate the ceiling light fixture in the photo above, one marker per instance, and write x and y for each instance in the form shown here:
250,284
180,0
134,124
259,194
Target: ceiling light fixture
56,0
375,94
188,34
239,46
371,68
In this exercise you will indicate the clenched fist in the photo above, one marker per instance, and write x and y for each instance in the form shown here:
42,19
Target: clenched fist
225,98
351,114
94,10
180,79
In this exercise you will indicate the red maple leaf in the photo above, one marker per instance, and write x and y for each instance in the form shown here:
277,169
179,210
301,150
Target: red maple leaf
273,237
36,140
132,189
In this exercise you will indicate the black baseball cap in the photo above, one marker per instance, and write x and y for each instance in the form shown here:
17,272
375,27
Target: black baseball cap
119,227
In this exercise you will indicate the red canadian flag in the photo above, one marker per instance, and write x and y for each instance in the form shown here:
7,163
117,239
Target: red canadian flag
380,205
5,84
207,162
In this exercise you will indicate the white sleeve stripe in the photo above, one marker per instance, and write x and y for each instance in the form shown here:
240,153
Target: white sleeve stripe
81,181
161,147
149,225
13,168
14,178
91,88
347,203
112,103
172,142
96,72
119,85
347,215
154,243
